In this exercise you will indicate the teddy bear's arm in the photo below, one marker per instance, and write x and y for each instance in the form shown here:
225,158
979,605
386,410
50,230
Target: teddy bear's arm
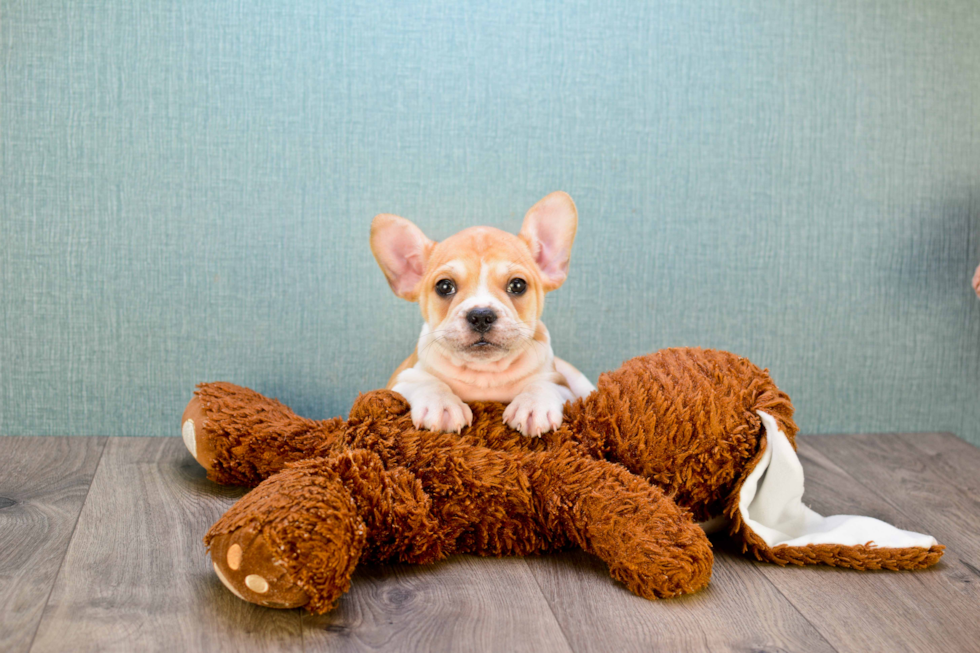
241,437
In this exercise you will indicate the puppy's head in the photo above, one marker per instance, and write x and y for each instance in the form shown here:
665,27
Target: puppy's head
482,290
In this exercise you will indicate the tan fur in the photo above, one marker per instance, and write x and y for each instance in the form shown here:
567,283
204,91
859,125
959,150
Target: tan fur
509,359
407,363
473,247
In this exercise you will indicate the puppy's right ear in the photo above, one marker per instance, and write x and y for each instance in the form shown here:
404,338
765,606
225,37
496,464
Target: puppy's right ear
401,249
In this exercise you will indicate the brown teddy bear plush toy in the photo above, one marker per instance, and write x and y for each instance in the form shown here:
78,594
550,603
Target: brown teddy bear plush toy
668,440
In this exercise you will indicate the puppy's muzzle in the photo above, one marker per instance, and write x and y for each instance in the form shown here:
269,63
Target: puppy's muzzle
481,319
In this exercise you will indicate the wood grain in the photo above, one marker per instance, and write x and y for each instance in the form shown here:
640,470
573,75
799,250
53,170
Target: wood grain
43,485
927,610
136,576
739,610
946,454
461,604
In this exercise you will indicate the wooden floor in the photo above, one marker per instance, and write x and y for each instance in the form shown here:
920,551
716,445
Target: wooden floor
100,549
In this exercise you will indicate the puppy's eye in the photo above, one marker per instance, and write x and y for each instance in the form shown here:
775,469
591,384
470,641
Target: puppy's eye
517,286
445,287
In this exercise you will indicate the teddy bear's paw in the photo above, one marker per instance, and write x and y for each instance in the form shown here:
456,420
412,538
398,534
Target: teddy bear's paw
535,412
679,571
245,563
193,434
440,411
378,404
657,552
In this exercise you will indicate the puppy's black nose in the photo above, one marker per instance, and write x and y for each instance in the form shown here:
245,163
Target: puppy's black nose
481,319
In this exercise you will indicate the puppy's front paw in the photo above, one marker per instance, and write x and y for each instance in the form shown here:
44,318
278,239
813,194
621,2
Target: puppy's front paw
534,412
440,411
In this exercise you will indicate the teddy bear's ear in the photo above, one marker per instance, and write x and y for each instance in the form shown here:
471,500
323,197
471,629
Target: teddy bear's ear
549,230
401,249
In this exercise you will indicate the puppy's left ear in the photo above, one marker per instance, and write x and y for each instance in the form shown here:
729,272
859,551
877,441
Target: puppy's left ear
549,230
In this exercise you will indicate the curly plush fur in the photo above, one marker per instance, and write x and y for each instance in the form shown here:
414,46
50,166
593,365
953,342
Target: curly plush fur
665,441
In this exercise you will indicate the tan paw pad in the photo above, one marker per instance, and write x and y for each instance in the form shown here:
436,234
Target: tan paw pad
189,436
234,557
193,431
257,584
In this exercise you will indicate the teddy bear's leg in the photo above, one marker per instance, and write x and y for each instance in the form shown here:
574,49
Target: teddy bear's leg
296,539
650,544
241,437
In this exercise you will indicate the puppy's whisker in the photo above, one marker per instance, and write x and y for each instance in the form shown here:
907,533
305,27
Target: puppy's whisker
432,341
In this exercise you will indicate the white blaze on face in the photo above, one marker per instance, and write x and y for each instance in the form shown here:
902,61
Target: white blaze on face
481,297
455,330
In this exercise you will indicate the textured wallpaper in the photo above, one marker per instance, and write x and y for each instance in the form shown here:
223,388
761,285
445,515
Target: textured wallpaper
186,188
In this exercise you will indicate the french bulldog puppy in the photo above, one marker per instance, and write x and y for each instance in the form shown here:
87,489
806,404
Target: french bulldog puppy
481,292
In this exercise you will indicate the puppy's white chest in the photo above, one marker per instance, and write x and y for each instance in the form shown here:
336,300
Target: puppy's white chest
501,381
473,392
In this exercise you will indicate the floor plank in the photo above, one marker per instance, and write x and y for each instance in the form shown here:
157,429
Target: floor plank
136,576
42,488
948,455
461,604
927,610
936,494
739,611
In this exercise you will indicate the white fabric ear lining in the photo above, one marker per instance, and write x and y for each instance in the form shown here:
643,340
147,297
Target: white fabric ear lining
771,504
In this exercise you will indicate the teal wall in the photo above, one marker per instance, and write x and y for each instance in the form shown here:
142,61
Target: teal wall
186,188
